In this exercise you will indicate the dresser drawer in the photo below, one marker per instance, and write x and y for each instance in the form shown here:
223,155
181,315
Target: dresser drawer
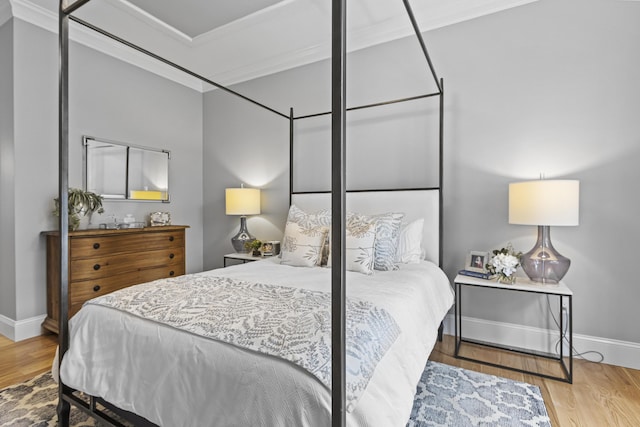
108,265
83,290
84,247
102,261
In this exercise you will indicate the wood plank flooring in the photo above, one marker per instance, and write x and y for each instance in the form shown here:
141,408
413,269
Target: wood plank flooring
25,359
600,396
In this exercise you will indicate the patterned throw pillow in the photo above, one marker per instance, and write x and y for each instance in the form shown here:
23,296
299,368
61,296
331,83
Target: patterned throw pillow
304,235
360,244
302,247
309,220
387,235
387,232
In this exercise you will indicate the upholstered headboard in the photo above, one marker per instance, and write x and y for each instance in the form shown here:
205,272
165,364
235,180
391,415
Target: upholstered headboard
413,203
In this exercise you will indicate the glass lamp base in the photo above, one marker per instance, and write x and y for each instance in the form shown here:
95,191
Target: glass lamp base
240,240
543,264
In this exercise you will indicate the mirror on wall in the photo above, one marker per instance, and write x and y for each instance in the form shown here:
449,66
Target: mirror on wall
120,171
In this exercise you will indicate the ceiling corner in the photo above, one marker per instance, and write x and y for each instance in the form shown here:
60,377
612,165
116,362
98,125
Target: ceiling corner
35,14
5,11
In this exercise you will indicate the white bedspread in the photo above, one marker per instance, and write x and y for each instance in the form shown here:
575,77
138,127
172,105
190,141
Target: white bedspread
175,378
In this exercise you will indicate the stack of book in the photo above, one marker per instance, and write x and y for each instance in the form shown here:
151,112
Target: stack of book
478,274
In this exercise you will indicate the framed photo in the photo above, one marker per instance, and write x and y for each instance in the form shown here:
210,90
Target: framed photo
476,261
159,218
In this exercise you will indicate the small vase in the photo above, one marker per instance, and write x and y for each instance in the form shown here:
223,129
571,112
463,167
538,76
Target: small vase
85,222
507,280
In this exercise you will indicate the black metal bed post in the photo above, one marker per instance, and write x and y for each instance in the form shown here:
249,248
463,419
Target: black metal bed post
440,85
441,173
416,29
63,409
338,212
291,118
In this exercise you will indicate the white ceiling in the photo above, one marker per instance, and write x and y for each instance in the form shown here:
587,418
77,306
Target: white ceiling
193,18
229,41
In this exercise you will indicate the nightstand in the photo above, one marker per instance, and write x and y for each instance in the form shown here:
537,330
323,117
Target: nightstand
243,258
565,300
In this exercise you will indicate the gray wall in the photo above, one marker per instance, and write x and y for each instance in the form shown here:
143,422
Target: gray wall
109,99
242,145
7,234
547,87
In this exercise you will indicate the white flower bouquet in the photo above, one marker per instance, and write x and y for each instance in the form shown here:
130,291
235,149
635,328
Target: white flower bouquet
504,263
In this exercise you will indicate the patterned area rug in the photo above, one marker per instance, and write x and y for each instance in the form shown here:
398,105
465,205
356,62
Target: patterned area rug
446,396
452,397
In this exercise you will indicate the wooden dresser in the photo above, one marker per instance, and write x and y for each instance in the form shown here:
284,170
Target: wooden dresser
102,261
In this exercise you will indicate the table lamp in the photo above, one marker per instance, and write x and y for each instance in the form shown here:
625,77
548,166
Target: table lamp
243,202
544,203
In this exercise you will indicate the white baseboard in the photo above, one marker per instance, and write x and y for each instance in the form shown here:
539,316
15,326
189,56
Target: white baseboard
614,352
21,329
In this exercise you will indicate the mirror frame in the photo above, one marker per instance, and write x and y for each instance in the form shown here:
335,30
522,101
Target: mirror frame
127,192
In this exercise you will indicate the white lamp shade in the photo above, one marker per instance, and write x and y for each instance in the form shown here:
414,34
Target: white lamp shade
544,202
242,201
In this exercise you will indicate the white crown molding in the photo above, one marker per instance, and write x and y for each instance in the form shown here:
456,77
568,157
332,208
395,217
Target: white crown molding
44,18
151,20
230,54
34,14
110,47
5,11
396,27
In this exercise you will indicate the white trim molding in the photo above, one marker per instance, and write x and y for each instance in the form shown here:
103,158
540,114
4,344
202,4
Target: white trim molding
18,330
44,18
5,11
215,54
614,352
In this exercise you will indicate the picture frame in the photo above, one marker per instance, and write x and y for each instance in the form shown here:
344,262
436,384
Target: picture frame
476,261
159,219
270,248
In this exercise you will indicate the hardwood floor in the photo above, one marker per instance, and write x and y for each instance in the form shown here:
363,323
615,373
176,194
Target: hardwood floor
25,359
601,395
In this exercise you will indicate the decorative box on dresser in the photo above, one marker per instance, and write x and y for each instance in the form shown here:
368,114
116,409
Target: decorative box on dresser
102,261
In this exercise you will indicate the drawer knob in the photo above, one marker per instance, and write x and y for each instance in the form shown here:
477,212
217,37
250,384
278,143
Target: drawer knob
96,246
96,267
96,288
171,273
171,238
171,256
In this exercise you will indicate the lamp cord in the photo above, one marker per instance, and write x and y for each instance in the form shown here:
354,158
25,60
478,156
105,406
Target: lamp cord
565,339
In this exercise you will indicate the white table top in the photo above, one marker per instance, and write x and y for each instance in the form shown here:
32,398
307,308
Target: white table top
521,284
243,256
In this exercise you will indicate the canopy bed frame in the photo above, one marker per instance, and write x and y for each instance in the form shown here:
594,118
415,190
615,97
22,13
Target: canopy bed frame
337,193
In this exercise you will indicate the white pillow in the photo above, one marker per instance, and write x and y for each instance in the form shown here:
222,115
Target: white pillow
302,247
387,236
409,243
359,245
313,222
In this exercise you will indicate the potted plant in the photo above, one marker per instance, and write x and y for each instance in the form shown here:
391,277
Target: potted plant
254,247
81,203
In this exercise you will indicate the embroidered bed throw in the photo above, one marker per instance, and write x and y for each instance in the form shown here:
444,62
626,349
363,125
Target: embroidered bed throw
293,324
